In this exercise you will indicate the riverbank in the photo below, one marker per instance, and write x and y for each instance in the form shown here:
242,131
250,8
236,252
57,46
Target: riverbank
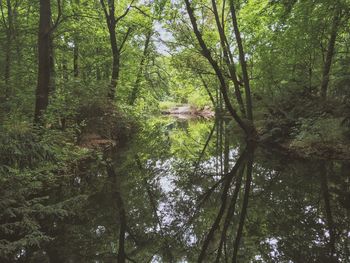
307,126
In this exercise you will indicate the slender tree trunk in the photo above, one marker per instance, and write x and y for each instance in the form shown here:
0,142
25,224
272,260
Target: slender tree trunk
16,33
327,203
223,86
112,21
330,53
206,87
224,196
8,60
52,85
65,70
136,87
44,61
244,210
115,62
230,212
154,205
76,45
76,59
8,65
228,58
243,62
122,231
120,207
115,74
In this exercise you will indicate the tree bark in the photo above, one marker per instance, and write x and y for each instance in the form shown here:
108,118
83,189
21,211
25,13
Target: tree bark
9,35
328,209
223,86
243,62
228,58
206,87
230,212
226,186
76,59
117,195
243,215
44,60
115,63
330,53
136,87
116,47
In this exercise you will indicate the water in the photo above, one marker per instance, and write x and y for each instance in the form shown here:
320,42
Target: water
192,191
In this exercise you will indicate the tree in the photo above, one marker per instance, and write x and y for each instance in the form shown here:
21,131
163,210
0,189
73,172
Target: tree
330,50
116,44
45,57
9,28
136,86
247,126
44,73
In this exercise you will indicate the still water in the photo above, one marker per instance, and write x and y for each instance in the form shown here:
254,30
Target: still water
192,191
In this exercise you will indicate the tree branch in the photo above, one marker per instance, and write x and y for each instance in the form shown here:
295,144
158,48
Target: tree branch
125,38
59,14
206,53
125,13
105,12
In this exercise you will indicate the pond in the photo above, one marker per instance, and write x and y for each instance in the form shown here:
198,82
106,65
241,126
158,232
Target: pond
192,191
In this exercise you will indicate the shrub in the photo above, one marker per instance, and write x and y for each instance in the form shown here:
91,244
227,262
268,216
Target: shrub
318,130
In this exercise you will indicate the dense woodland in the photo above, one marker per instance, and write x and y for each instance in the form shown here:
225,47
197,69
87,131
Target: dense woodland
87,93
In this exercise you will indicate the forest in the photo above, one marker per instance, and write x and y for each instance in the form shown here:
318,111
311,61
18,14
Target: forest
175,131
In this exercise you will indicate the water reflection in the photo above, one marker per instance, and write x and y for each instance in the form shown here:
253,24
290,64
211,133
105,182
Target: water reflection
191,191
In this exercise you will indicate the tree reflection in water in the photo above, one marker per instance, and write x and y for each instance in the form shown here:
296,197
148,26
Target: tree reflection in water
191,191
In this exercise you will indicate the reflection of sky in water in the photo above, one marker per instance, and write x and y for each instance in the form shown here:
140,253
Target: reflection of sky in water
166,179
169,175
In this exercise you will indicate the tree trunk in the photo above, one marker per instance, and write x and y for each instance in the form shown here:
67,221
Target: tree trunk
120,207
65,70
206,87
327,204
52,85
115,66
223,86
226,183
136,86
44,60
76,59
242,62
8,65
8,49
228,58
244,210
116,47
330,53
230,212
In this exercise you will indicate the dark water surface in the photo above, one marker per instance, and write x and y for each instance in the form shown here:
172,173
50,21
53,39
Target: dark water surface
192,191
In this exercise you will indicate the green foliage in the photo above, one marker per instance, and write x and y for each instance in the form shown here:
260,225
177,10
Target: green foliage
56,198
30,162
319,130
165,105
